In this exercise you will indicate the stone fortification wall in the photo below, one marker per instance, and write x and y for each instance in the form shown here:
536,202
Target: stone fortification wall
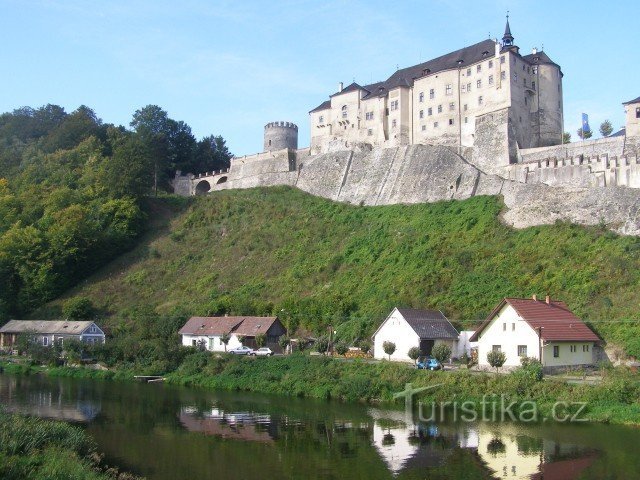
422,173
612,146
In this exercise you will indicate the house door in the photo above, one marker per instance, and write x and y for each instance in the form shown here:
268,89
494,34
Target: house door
425,347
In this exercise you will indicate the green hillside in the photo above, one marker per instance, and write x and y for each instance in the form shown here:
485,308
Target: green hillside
318,263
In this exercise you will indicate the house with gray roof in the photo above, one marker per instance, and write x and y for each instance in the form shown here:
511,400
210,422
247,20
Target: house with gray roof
47,332
407,328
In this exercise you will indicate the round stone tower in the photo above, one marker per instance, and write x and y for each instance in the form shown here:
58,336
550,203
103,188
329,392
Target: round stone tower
280,135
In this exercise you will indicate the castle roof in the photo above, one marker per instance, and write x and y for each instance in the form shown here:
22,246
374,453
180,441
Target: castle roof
350,88
323,106
539,58
635,100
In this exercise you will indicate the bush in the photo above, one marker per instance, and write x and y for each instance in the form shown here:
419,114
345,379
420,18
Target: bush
441,352
389,348
364,346
496,359
414,353
322,345
341,348
78,308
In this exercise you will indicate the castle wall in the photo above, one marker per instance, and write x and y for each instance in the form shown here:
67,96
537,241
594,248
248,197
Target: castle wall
612,146
280,135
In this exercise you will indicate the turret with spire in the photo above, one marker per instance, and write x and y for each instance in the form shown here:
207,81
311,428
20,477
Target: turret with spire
507,38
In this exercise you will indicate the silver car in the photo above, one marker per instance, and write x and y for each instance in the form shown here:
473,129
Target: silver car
262,352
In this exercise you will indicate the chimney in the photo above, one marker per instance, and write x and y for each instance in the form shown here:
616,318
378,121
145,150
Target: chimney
548,300
340,87
534,51
535,297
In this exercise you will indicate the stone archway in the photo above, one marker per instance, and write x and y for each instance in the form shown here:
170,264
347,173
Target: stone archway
221,180
203,187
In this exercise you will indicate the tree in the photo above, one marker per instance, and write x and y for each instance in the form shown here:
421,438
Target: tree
284,342
441,352
241,339
211,153
389,348
224,338
261,340
78,308
414,353
566,137
584,135
606,128
496,359
365,346
322,345
341,348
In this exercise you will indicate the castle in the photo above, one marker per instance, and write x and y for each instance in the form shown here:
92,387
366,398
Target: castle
483,120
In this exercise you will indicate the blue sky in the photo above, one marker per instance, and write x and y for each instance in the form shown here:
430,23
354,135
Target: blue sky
229,67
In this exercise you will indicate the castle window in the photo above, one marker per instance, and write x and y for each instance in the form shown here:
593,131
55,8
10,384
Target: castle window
435,124
344,111
535,69
558,87
394,123
370,132
439,108
466,119
503,75
637,112
269,142
515,76
421,113
449,89
432,94
465,107
451,121
525,81
421,97
479,84
463,88
523,69
533,85
394,105
424,127
452,106
368,116
468,87
490,63
468,72
490,79
430,111
321,119
528,69
525,100
478,68
480,100
502,59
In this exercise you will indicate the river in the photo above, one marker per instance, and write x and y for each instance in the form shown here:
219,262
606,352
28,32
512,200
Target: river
165,432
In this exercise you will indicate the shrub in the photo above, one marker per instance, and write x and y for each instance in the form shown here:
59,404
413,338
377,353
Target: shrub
284,342
341,348
496,359
414,353
322,345
78,308
441,352
365,346
261,340
389,348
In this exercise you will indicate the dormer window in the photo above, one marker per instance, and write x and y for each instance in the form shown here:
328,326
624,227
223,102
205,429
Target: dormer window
344,111
321,119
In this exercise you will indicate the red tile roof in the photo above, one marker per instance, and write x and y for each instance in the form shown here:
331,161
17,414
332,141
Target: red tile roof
249,326
558,323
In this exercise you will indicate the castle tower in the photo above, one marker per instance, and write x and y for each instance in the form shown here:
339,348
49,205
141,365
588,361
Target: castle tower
280,135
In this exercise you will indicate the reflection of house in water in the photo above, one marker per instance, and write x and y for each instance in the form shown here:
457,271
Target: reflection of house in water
245,426
48,402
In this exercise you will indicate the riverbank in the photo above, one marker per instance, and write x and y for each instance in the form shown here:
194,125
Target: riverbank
615,400
34,448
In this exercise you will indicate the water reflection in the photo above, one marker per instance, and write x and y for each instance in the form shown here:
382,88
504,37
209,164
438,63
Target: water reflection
170,433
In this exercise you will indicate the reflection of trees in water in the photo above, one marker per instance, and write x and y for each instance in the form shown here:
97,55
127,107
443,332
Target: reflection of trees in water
496,446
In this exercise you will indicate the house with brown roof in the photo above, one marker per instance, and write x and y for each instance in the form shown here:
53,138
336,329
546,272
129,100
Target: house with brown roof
211,329
408,327
546,330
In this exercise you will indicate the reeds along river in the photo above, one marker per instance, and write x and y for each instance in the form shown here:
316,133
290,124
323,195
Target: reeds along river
164,432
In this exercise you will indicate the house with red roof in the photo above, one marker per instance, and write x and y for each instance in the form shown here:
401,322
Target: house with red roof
546,330
210,330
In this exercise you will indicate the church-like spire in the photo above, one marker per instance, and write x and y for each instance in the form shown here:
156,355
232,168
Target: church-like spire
507,39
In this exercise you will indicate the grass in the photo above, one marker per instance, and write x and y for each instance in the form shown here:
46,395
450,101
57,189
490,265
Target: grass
318,263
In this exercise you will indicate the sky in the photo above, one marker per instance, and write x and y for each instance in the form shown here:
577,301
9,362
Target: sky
229,67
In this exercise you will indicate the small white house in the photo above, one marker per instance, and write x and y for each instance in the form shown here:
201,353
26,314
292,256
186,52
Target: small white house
209,331
407,328
545,330
46,332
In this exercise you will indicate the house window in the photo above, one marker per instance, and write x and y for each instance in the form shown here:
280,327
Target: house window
194,343
480,100
585,348
572,348
468,72
503,75
463,88
344,111
432,93
368,116
421,97
424,127
490,63
394,105
45,341
435,124
556,351
502,59
451,121
478,68
522,350
370,132
430,111
439,108
421,113
479,84
496,348
449,89
321,119
394,123
490,79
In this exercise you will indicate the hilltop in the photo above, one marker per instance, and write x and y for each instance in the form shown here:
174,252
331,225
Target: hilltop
317,263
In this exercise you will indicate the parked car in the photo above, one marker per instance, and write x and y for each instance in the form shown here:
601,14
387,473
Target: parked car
428,363
241,350
262,352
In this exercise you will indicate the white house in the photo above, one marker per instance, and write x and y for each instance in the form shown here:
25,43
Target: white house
545,330
409,328
47,332
211,329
